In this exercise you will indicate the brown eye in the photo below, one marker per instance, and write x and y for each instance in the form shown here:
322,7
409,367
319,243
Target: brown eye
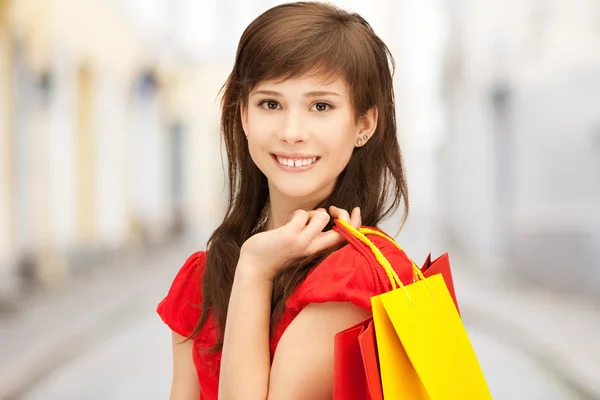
321,107
270,105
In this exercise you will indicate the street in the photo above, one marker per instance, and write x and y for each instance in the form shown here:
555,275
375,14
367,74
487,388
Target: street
134,362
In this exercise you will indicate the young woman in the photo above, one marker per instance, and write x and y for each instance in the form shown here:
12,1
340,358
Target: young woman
309,126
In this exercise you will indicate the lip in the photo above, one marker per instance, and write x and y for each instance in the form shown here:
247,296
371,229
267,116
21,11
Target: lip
294,155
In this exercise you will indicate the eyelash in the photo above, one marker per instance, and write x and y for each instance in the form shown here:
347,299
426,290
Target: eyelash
264,102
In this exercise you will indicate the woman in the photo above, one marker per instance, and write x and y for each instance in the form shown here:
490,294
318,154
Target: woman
308,122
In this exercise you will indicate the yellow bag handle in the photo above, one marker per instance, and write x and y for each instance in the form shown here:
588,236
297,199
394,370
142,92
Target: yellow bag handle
361,233
418,275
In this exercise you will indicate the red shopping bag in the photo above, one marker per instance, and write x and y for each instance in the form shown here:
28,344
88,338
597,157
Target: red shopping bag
441,265
356,372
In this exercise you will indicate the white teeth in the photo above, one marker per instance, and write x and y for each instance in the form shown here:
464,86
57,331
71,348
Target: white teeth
296,162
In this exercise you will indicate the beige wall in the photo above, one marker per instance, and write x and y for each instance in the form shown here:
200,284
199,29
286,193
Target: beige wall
195,97
85,159
93,55
6,221
92,29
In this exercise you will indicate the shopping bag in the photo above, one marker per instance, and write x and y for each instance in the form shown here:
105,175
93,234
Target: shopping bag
441,265
368,350
424,351
356,371
357,375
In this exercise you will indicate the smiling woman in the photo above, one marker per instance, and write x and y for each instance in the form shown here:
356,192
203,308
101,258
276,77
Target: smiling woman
308,124
309,127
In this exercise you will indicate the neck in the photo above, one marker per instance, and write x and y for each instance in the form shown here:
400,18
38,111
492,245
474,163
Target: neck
282,207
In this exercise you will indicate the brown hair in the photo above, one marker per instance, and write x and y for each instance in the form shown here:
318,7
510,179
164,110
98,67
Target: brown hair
284,42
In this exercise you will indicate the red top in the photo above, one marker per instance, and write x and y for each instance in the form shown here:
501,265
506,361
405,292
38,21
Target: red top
346,275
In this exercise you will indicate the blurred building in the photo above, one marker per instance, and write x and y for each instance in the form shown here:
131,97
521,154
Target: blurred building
104,143
109,122
520,161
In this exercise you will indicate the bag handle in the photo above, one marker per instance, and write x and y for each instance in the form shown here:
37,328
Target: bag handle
417,274
361,233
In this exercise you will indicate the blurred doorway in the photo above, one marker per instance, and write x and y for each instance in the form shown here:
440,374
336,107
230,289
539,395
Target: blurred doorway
23,100
177,146
502,178
595,184
85,158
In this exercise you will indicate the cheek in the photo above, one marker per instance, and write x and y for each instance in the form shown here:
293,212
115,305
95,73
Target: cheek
260,138
342,140
262,126
256,150
258,130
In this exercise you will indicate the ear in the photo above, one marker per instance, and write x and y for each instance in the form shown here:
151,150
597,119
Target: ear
244,118
367,124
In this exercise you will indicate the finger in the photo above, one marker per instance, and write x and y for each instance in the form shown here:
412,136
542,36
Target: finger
298,221
355,218
318,220
324,241
318,211
339,213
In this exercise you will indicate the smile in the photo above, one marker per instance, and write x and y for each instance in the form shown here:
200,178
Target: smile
295,162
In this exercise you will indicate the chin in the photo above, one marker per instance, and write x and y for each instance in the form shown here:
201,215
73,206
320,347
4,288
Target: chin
298,188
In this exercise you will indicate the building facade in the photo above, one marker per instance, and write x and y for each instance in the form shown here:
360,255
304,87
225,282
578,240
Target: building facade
519,159
102,144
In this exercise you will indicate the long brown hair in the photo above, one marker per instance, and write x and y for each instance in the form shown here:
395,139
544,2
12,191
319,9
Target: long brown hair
288,41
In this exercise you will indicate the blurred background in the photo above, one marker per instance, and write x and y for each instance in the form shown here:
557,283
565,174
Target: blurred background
111,175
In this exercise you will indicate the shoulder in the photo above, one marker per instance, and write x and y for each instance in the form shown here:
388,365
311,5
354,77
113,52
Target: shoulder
180,308
190,274
299,355
352,274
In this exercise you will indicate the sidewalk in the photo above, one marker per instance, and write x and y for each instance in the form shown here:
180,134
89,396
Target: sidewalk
52,328
559,331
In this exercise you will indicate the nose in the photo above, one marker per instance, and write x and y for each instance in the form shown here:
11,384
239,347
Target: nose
292,131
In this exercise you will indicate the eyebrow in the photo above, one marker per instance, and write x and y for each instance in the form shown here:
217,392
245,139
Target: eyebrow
317,93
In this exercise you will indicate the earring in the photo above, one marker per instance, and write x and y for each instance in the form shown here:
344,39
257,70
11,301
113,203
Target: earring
363,140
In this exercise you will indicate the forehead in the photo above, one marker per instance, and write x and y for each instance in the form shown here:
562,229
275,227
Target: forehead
306,82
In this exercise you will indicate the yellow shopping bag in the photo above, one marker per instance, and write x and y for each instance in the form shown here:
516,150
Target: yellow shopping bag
424,350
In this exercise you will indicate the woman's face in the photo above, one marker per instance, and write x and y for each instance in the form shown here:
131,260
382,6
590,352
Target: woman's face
301,133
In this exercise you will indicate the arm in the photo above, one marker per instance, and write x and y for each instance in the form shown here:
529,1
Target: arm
303,364
245,362
185,384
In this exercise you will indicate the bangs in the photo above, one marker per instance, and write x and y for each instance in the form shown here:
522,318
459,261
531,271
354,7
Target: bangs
317,54
300,46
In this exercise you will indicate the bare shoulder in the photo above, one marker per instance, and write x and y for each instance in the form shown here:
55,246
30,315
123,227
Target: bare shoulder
303,363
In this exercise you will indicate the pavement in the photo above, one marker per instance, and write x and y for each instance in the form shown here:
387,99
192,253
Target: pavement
100,339
51,329
560,332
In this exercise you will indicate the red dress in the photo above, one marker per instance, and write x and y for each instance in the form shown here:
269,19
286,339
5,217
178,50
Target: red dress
346,275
